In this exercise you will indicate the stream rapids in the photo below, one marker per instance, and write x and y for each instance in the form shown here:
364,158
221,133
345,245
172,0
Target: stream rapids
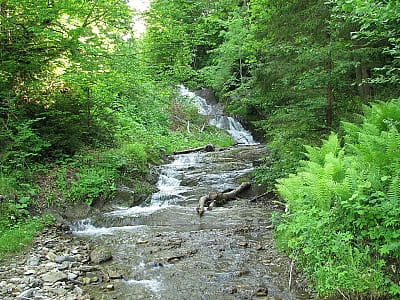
163,250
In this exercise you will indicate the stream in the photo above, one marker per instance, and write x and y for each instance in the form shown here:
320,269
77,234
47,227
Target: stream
163,250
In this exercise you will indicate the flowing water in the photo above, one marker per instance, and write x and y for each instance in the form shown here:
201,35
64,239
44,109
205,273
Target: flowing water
164,250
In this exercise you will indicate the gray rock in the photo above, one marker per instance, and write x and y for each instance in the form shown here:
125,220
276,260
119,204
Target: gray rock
61,259
63,266
33,261
26,294
72,276
54,276
35,282
100,255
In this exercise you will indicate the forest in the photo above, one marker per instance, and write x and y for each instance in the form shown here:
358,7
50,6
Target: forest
85,104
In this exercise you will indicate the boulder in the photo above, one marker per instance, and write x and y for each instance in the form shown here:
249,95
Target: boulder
100,255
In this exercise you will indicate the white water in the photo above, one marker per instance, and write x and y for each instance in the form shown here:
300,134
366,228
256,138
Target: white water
171,191
217,118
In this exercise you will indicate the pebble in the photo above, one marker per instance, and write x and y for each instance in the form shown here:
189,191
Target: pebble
54,267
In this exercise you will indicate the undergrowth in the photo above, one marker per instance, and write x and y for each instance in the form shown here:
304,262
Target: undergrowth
343,221
33,179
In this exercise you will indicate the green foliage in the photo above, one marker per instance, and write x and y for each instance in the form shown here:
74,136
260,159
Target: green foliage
343,208
15,237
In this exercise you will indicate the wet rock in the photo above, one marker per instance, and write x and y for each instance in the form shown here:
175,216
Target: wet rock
100,255
55,276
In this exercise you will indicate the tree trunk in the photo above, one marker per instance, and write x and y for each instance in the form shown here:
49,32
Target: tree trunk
219,198
206,148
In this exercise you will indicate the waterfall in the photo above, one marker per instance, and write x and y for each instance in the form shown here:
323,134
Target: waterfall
217,118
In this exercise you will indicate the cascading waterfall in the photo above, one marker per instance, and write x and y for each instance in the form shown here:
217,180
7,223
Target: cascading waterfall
217,118
164,249
170,190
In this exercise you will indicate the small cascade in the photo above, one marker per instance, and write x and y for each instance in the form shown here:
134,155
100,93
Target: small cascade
166,251
217,118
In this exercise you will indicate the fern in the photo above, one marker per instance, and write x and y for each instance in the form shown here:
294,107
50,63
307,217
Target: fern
344,199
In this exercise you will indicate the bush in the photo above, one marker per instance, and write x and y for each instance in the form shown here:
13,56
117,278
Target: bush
343,221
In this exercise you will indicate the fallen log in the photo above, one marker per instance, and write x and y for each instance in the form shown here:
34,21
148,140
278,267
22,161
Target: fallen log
219,198
206,148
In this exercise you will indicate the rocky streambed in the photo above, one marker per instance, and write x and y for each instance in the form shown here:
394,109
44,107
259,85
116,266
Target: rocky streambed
163,249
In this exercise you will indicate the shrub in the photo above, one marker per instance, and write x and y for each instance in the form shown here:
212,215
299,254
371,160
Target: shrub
343,220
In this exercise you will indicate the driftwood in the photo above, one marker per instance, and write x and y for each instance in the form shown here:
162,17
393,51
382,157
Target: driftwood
220,198
206,148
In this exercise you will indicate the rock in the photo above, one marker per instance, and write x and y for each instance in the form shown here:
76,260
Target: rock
51,256
100,255
260,247
25,294
88,268
115,275
243,244
242,272
110,287
54,276
35,282
72,276
61,259
33,261
29,272
141,242
63,266
78,291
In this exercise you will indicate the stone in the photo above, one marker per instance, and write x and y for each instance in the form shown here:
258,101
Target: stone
35,282
25,294
33,261
100,255
64,266
51,256
54,276
78,291
61,259
110,287
260,247
88,268
243,244
141,242
29,272
72,276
